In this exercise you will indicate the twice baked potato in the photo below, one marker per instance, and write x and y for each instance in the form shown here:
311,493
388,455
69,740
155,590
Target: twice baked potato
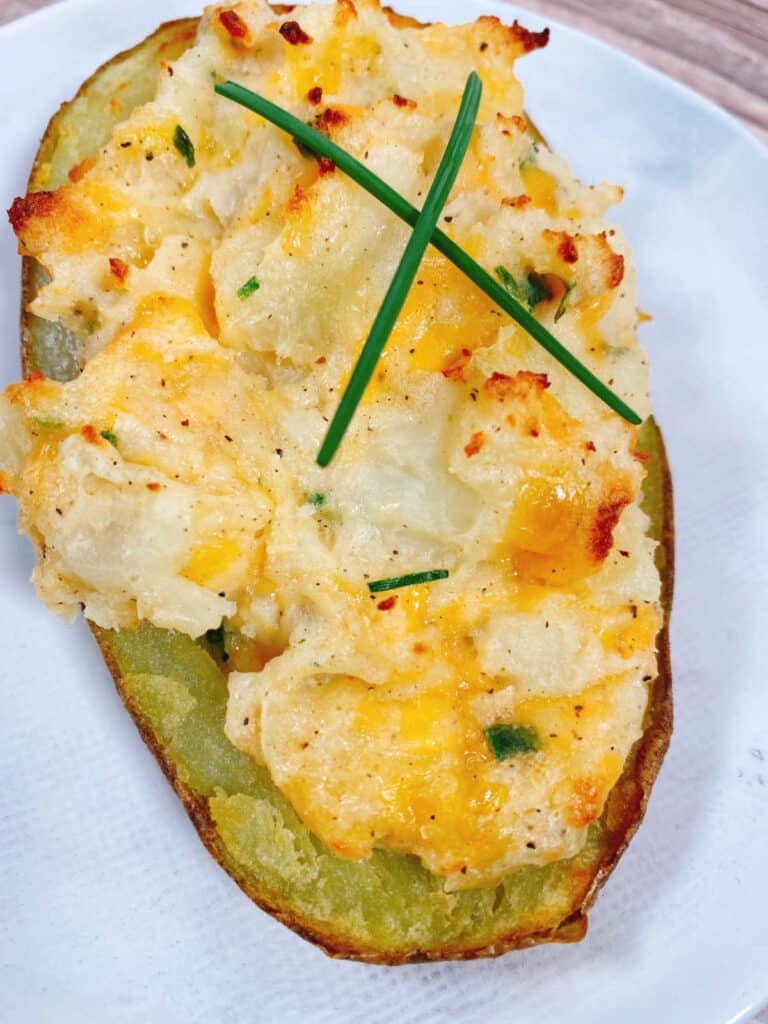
386,900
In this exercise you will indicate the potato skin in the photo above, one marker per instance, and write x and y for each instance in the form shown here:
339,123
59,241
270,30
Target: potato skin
628,799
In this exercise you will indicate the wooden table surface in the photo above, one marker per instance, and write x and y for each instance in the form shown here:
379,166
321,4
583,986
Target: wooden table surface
719,47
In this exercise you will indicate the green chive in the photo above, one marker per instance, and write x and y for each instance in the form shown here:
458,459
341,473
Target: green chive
509,740
91,325
511,284
217,641
532,155
317,499
403,209
533,291
564,301
536,289
109,436
250,286
407,581
215,636
183,143
401,283
43,423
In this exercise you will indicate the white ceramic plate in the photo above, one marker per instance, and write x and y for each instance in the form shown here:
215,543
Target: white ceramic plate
109,904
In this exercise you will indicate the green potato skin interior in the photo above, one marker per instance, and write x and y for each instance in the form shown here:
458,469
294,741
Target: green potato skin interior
387,909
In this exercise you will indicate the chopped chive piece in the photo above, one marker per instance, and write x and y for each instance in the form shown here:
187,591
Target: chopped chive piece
511,284
563,305
109,436
509,740
409,264
91,325
532,154
217,642
215,636
400,206
407,581
533,291
536,289
317,499
47,424
183,143
250,286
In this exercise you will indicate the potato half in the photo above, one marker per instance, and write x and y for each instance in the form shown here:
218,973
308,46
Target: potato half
388,909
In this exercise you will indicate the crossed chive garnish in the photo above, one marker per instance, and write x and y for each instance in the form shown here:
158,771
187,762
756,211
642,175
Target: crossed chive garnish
514,299
421,222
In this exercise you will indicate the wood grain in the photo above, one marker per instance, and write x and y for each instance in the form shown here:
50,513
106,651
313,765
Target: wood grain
10,9
718,47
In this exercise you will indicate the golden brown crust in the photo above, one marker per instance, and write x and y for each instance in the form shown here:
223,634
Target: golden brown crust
234,25
397,20
626,803
34,204
522,37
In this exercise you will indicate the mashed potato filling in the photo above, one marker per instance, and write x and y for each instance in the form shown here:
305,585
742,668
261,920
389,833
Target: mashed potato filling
220,295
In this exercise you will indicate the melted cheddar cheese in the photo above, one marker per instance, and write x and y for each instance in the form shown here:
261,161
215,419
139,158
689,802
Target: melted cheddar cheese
175,479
